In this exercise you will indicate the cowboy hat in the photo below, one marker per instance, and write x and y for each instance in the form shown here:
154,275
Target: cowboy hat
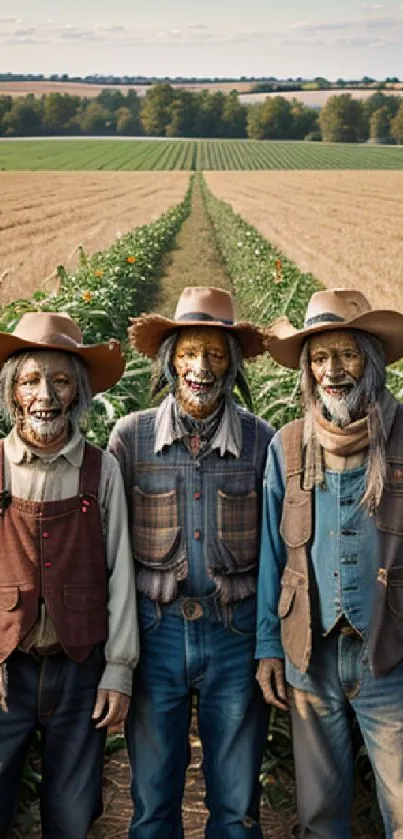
57,331
334,309
197,306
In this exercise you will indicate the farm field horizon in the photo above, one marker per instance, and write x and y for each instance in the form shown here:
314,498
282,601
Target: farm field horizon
45,218
93,154
343,227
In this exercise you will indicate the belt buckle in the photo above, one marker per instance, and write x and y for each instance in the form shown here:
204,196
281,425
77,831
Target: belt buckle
191,609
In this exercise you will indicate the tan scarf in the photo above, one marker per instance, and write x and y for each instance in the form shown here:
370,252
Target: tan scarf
320,435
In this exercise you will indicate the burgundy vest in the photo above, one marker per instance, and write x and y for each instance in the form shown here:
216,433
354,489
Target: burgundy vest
53,550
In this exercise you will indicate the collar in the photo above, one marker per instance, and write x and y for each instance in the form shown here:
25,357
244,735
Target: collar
228,437
18,451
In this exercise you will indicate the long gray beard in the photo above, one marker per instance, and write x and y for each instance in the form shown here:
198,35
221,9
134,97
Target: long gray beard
337,409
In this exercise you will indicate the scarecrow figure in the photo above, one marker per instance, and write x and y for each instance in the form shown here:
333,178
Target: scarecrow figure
193,472
331,569
68,637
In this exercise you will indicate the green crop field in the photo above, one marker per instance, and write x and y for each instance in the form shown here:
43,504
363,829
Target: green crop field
193,155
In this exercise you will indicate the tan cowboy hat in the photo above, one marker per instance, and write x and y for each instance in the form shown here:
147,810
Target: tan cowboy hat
57,331
336,308
197,306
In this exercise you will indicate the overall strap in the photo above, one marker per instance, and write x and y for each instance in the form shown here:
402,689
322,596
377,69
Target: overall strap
90,472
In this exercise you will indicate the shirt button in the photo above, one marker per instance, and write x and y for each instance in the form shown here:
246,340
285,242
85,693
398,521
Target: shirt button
197,495
197,535
45,535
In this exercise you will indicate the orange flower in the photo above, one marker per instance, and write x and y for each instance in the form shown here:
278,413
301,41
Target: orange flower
131,259
278,265
99,273
87,296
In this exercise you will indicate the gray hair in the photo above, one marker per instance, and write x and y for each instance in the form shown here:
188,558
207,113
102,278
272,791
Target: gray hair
11,370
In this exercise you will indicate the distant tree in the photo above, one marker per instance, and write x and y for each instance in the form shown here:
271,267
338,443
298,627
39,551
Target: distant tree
396,126
209,114
155,112
95,119
127,123
304,120
24,119
111,99
342,120
272,120
59,112
6,103
233,116
379,126
182,115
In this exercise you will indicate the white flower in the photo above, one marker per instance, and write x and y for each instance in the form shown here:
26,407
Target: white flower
239,244
257,251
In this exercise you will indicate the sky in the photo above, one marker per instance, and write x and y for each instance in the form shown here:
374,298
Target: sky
209,38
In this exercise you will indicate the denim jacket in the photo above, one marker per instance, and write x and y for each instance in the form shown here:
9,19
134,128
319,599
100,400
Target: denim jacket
194,521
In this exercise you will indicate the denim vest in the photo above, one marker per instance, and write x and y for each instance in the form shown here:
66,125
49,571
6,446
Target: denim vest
195,521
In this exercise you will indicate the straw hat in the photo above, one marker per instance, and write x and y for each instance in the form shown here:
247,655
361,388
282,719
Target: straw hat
197,306
57,331
334,309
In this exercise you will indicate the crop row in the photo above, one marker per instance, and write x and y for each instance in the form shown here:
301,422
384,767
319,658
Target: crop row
198,155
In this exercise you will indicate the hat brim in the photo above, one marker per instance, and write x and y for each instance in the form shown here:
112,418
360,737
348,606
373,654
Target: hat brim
284,342
147,332
104,362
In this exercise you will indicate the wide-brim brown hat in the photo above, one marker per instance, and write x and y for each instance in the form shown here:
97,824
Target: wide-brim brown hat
57,331
330,310
197,306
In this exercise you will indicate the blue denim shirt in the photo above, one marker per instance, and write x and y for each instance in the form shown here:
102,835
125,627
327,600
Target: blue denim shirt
197,519
344,554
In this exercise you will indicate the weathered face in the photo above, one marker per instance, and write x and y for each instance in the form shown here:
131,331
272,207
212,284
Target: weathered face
44,390
201,360
336,361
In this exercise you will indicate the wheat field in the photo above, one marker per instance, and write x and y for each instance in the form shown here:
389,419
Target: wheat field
344,227
45,217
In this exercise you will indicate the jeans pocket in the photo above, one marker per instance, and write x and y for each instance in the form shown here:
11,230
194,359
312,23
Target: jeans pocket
149,614
243,617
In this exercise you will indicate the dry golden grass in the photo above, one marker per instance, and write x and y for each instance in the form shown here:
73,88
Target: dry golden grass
45,216
344,227
89,91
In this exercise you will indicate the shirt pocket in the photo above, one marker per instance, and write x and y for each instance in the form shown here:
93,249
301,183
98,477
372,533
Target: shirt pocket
156,532
237,518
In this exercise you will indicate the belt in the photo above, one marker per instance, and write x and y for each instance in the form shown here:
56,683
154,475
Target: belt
194,608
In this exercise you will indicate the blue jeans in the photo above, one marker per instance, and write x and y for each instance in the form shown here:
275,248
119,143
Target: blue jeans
205,654
341,682
56,696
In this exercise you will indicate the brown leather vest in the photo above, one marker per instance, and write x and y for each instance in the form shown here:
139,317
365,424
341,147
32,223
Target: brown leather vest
54,550
385,647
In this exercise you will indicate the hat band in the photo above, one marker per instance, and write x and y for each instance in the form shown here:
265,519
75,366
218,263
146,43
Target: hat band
202,316
326,317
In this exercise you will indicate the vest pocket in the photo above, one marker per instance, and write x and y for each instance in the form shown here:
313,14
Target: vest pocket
395,590
291,582
237,518
9,597
389,516
296,520
156,533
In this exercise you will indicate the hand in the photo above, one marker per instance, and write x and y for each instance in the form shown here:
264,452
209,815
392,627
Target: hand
270,675
114,705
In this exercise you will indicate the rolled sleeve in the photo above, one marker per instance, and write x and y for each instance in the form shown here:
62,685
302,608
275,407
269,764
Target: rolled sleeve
272,556
122,645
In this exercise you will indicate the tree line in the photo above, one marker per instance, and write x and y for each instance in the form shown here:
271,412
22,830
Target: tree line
166,111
